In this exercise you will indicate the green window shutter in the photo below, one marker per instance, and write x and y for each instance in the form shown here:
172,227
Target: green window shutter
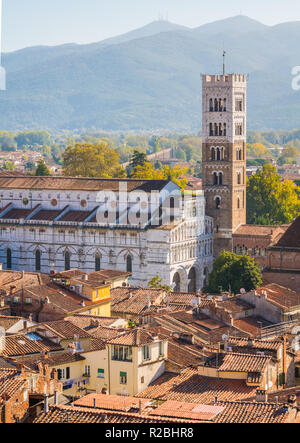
100,371
123,374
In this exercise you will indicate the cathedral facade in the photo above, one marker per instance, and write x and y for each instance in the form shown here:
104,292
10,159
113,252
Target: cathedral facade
145,227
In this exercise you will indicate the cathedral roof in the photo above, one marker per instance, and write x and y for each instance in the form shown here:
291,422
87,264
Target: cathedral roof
79,184
291,239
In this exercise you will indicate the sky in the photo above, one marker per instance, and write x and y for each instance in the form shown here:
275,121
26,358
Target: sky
54,22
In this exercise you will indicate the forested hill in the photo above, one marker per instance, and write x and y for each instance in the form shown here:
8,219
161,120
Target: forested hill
149,79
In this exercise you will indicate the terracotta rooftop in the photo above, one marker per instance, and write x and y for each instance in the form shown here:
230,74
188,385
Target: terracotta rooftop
279,295
260,231
291,239
19,345
10,383
134,300
20,279
135,337
251,325
244,363
191,387
8,322
80,184
111,402
65,329
222,412
52,360
257,345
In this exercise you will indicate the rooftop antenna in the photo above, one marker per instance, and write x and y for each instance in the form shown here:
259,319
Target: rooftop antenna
224,58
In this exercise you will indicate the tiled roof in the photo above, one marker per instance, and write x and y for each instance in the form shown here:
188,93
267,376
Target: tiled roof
7,363
258,230
247,412
134,300
52,360
64,329
68,414
191,387
281,296
46,215
20,279
10,382
291,239
18,345
136,337
75,216
96,326
111,402
251,325
173,409
235,305
8,322
258,345
244,363
17,214
80,184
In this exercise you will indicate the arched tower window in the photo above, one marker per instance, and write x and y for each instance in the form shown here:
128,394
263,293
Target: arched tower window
216,105
97,262
218,154
38,260
220,178
239,178
129,263
8,259
213,154
216,178
67,261
238,203
211,105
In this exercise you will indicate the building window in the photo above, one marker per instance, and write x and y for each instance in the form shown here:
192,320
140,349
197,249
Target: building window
100,373
123,378
129,263
8,259
239,129
97,262
239,178
146,353
121,353
218,203
161,349
38,261
68,373
142,380
87,371
67,261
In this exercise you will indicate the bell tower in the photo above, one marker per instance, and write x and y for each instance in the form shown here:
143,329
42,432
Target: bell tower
224,135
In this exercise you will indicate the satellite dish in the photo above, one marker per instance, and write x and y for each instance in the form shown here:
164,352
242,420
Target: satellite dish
194,302
225,337
243,291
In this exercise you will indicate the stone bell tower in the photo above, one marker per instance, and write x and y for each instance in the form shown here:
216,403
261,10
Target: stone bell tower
224,126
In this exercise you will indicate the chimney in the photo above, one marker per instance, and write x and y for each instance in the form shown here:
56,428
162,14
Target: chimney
56,398
292,401
261,396
86,277
72,349
250,342
25,324
95,402
140,407
46,404
216,399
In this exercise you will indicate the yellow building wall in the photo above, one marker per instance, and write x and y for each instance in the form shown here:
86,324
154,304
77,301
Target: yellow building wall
97,360
76,374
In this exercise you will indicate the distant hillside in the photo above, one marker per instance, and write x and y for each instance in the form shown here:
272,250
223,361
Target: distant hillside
149,79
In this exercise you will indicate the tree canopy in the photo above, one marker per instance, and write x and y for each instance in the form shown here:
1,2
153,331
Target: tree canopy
157,283
148,171
270,200
42,169
232,272
88,160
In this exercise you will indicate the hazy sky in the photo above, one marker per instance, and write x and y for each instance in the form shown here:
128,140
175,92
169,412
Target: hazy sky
53,22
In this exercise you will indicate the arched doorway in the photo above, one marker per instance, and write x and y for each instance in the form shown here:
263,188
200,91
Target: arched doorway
176,282
129,263
67,261
192,280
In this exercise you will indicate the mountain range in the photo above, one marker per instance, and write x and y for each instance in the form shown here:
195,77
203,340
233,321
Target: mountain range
150,79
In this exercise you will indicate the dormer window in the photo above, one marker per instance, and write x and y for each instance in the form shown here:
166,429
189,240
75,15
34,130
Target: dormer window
146,353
